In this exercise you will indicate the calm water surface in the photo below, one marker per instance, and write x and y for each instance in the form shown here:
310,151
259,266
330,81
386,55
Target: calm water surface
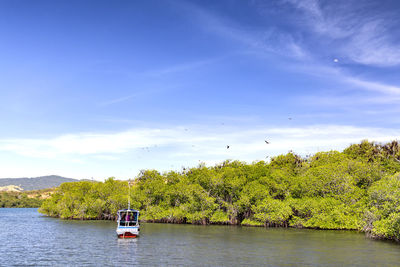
28,238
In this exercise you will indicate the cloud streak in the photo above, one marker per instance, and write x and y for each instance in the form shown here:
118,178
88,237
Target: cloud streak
183,67
123,154
339,75
374,86
138,94
268,40
364,37
199,142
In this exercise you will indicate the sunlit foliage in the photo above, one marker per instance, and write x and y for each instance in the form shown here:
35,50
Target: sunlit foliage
19,200
355,189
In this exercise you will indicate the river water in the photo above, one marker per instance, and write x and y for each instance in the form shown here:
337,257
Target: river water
29,238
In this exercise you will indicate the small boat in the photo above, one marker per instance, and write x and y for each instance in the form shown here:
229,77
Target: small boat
128,220
128,223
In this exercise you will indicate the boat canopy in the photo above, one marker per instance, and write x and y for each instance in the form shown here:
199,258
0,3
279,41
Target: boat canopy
128,217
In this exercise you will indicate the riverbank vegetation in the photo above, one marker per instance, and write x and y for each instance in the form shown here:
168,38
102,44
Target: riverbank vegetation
357,189
25,199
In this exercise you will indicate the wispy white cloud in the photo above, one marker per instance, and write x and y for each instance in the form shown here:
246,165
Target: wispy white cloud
182,67
156,73
384,92
372,45
81,144
120,99
323,22
86,154
197,142
363,37
374,86
138,94
268,40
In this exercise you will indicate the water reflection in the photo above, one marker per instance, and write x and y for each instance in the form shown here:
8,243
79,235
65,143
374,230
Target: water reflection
127,242
127,250
46,241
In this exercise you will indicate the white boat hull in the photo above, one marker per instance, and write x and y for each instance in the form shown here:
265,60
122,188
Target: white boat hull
128,231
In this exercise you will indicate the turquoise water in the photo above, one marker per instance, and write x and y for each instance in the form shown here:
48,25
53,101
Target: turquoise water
28,238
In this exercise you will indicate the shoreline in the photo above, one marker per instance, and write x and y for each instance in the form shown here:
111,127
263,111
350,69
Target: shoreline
350,190
367,234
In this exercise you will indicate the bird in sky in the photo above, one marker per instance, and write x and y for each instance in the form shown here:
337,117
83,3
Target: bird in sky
266,142
227,147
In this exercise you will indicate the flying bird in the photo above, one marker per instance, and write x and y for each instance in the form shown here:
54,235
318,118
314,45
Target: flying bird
227,147
266,142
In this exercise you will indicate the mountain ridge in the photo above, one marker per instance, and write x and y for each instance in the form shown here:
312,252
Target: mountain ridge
36,183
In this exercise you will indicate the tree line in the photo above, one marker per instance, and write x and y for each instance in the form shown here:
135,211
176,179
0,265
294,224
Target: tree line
357,189
19,200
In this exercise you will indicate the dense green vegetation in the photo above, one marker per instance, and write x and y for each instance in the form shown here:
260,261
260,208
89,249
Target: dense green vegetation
358,189
19,200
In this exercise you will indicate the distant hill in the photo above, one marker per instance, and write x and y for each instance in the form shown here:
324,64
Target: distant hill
36,183
11,188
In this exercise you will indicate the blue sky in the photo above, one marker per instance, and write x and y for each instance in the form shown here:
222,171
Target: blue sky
107,88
